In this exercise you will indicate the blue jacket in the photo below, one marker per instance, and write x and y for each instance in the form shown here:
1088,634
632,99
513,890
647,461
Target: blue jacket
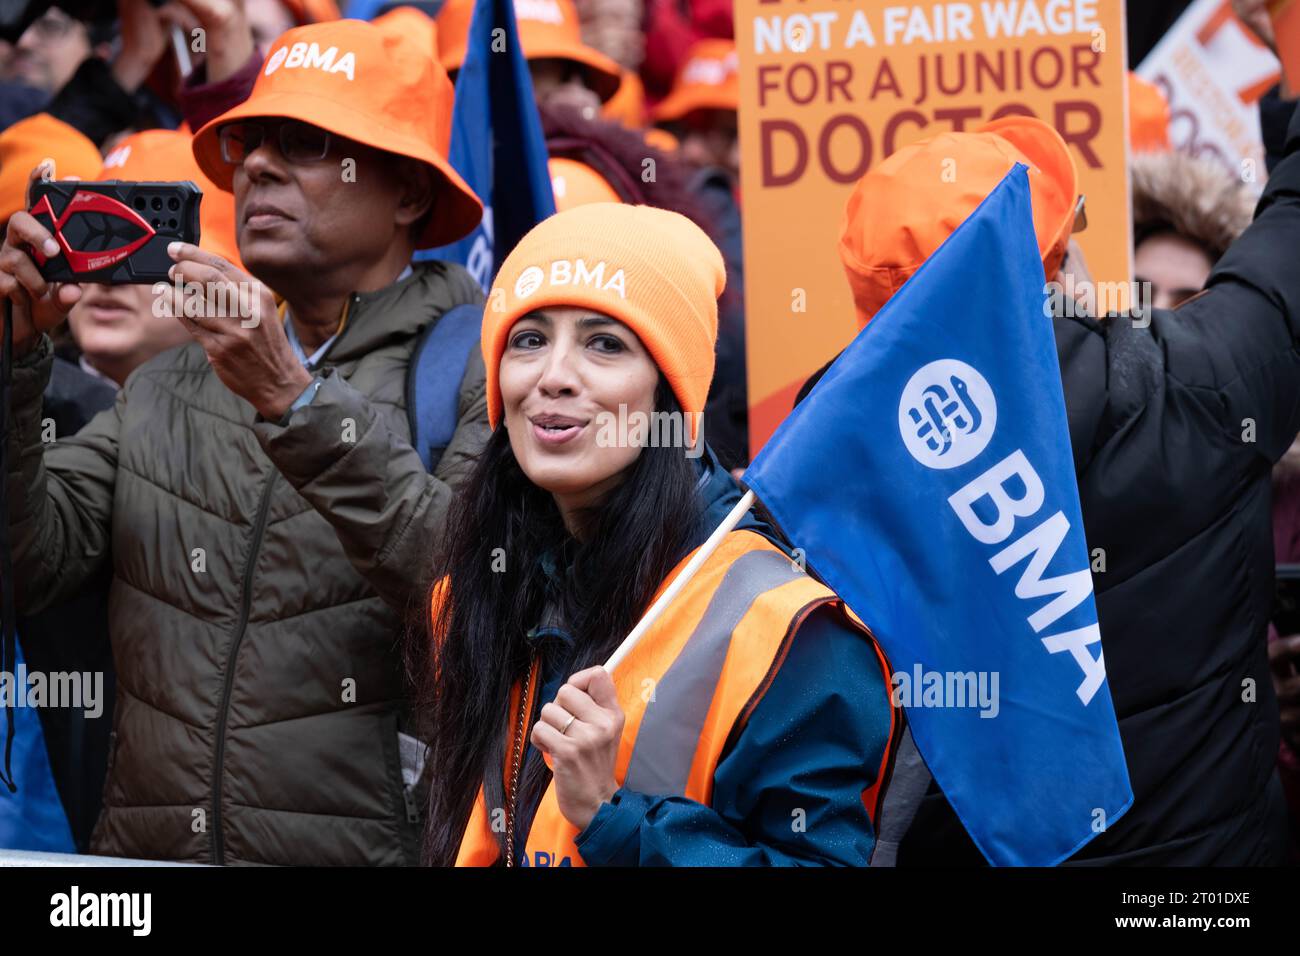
789,792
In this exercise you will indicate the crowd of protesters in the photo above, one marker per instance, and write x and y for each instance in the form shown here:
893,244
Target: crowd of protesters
329,647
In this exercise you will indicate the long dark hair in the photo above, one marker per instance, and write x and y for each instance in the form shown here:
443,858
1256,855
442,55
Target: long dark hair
464,662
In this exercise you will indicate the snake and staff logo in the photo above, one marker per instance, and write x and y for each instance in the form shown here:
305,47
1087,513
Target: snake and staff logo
947,414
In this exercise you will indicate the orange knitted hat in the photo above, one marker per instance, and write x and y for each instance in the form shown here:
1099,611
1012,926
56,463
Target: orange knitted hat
24,144
653,270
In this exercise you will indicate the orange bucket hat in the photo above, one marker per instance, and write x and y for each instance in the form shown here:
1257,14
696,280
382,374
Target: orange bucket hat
902,210
548,30
577,184
168,155
24,144
375,84
653,270
1148,116
707,81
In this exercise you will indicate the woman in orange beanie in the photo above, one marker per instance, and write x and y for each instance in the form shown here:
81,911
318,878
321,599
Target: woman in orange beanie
751,725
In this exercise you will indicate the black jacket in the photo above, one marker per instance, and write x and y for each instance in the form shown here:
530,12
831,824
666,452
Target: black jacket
1175,428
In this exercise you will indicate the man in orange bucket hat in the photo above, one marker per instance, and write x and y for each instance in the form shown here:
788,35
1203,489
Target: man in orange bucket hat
256,493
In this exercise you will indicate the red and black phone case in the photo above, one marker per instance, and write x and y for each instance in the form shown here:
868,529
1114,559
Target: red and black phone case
115,232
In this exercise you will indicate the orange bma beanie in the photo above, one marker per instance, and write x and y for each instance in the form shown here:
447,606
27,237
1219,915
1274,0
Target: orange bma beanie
902,210
653,270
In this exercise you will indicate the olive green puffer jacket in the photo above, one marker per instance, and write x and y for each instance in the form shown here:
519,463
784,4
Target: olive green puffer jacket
260,576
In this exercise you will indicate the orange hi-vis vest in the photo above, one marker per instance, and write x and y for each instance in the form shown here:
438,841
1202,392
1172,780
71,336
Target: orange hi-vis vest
687,690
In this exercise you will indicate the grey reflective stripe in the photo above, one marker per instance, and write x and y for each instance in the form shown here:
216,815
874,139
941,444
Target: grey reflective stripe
670,730
904,789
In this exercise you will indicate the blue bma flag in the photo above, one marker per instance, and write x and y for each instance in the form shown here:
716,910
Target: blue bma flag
496,143
928,478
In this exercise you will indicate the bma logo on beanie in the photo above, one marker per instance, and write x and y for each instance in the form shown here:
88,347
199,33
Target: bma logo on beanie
575,272
310,56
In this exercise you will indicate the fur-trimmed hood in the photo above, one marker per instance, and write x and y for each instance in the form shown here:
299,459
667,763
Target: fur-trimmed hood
1194,197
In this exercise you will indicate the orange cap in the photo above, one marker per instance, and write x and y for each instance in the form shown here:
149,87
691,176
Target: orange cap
577,184
1148,116
375,84
168,155
902,210
24,144
548,30
653,270
706,81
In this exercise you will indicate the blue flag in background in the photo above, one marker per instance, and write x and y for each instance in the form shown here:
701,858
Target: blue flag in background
497,143
33,818
928,478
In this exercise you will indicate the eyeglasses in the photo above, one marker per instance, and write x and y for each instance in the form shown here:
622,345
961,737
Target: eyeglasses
299,142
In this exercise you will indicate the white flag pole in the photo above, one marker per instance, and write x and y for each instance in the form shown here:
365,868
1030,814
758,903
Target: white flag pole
679,582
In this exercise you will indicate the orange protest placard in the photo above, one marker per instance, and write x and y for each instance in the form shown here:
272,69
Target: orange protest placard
830,87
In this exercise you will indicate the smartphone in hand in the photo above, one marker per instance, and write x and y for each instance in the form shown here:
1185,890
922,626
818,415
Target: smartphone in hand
115,232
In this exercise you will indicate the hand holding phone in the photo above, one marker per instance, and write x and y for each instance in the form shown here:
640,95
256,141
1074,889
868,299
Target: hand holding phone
35,304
